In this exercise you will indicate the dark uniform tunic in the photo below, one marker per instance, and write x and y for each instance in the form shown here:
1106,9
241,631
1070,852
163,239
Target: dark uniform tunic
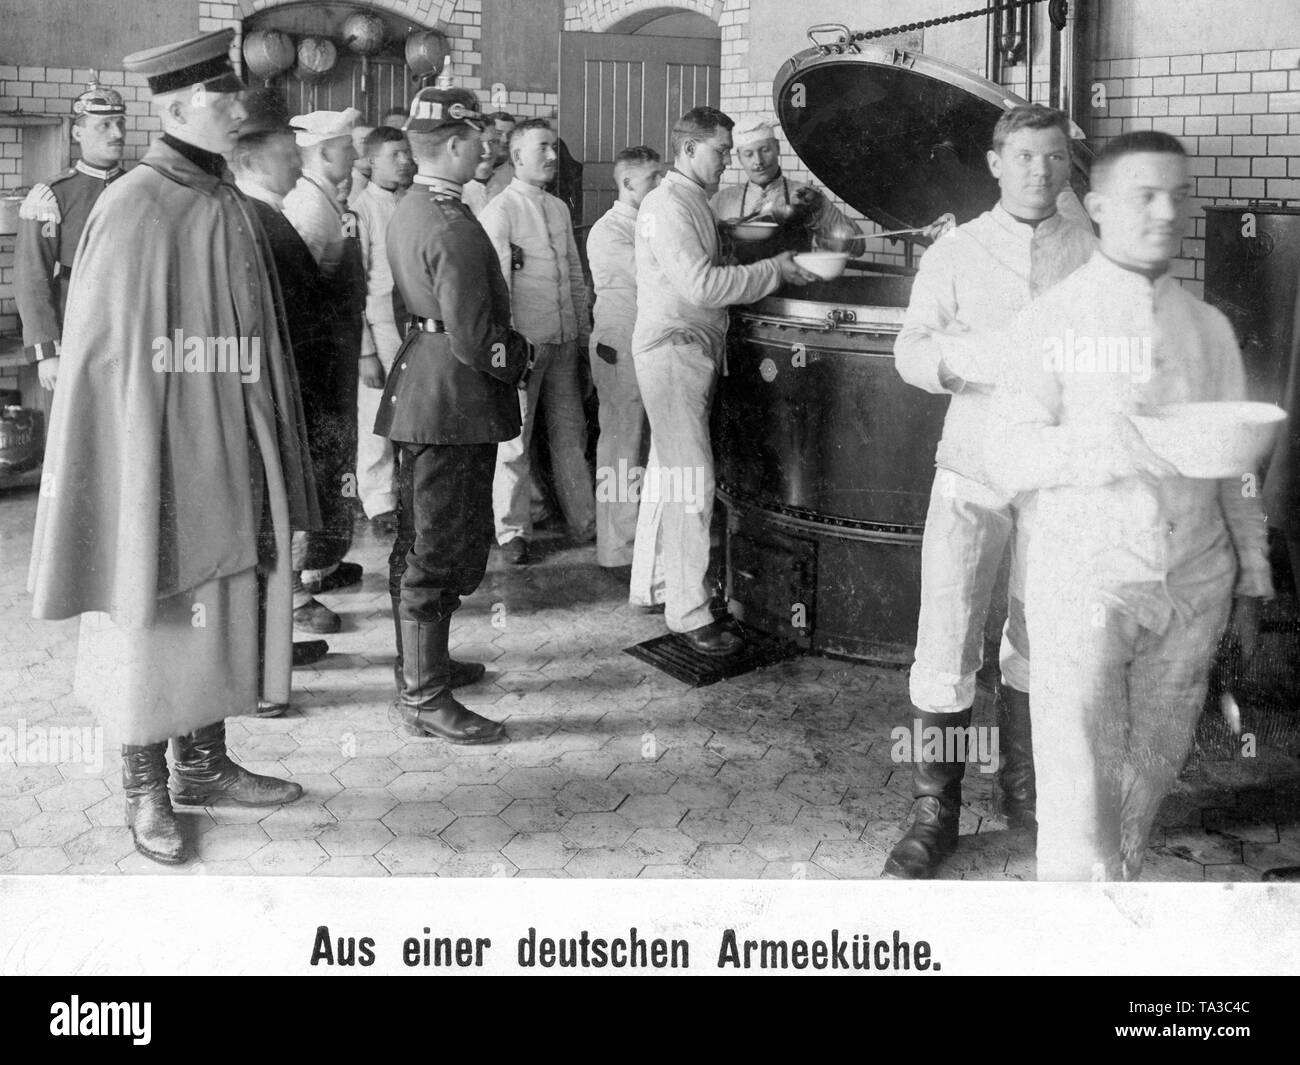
328,377
49,228
50,222
449,400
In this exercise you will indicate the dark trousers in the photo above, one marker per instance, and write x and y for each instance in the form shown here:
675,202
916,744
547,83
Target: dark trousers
332,443
444,526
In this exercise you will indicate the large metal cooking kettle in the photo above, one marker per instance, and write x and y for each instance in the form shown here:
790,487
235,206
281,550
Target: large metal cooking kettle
898,135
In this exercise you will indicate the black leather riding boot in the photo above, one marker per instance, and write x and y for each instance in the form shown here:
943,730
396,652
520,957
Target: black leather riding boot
426,704
936,788
397,638
148,810
204,775
1016,796
462,673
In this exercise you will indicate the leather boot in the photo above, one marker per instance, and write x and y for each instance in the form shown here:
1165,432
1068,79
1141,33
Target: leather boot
204,775
936,788
1015,797
462,673
426,704
148,810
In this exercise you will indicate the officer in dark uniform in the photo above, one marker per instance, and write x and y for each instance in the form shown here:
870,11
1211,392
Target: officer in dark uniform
449,400
52,217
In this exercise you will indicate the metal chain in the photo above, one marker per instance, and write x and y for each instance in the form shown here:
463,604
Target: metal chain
911,27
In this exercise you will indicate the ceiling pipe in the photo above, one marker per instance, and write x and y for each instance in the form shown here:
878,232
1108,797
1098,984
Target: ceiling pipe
1071,88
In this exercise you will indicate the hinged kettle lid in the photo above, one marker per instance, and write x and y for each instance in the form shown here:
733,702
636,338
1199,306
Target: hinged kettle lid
899,135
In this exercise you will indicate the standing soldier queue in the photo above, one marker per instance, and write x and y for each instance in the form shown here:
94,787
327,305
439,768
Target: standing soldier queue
376,314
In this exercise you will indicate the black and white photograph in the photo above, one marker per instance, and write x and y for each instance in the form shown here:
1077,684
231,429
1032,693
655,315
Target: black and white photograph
816,478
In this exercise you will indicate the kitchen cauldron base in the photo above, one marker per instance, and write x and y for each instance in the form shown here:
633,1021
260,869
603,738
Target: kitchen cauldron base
842,591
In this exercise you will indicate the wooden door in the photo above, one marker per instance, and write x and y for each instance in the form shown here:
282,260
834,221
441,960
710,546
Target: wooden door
618,90
388,84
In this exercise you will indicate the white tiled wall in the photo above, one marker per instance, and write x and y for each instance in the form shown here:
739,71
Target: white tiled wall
1237,113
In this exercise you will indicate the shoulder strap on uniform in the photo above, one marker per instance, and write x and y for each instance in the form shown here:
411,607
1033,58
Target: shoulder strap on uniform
41,205
449,206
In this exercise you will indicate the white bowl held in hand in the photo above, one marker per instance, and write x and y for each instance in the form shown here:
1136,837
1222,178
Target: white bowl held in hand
1212,439
828,265
751,231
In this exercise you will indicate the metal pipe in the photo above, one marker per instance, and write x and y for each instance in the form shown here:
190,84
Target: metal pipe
993,60
1029,53
1054,66
1072,62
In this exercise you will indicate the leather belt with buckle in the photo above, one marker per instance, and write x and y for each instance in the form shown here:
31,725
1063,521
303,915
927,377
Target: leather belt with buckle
427,325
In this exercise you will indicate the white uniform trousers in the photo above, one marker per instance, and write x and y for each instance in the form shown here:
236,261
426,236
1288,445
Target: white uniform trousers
967,532
375,470
555,382
621,452
671,556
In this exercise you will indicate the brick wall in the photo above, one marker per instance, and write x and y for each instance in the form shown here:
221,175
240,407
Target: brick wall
51,90
1237,113
8,315
746,98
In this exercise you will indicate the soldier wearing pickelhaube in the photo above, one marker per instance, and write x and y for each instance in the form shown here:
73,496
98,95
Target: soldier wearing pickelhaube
51,220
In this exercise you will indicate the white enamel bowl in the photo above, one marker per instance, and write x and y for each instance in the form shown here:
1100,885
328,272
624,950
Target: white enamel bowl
1215,439
751,231
828,265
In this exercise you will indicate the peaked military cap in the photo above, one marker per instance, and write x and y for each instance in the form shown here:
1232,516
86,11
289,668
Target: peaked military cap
203,60
434,108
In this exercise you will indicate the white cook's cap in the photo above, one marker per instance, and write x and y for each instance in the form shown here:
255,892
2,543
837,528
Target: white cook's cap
320,126
751,133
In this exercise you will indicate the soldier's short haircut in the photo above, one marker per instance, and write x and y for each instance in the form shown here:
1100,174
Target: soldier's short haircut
1139,141
1028,116
528,124
628,158
251,142
699,124
429,145
378,137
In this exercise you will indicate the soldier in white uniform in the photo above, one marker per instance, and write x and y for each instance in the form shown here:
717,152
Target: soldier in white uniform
970,284
533,236
624,442
683,293
391,169
1132,568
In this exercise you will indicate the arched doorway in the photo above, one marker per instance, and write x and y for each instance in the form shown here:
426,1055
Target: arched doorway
628,85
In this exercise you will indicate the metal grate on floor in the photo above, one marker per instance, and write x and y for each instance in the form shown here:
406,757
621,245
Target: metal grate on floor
672,655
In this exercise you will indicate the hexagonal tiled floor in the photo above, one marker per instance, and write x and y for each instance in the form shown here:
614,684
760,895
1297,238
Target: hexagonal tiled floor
613,769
